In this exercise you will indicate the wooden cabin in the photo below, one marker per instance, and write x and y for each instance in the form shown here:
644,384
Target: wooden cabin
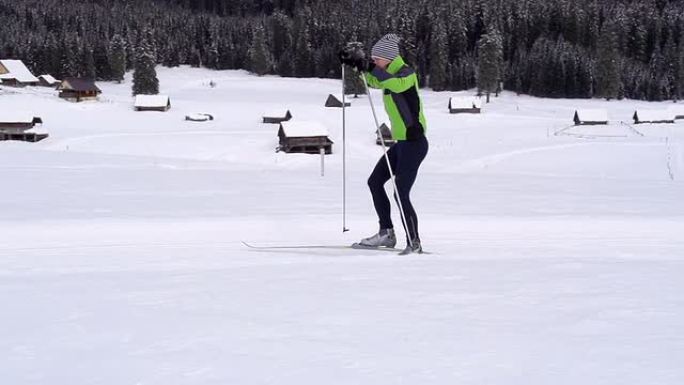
303,137
275,118
10,122
13,73
653,116
386,136
335,102
47,81
465,105
78,90
152,103
19,127
590,117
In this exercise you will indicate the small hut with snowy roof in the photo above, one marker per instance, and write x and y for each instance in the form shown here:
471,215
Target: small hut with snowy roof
48,81
152,103
77,89
590,117
277,117
460,105
306,137
20,126
653,116
14,73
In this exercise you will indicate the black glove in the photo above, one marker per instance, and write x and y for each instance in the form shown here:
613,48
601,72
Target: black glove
355,57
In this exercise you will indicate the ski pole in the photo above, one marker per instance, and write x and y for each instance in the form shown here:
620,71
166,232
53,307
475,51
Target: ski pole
344,158
389,165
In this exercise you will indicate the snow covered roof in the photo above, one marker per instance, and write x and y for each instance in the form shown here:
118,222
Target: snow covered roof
464,102
49,79
151,101
17,70
199,117
300,129
18,117
654,115
77,84
592,115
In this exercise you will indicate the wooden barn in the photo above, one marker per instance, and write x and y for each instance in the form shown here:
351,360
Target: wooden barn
14,73
590,117
334,101
386,136
78,90
465,106
20,127
276,117
303,137
653,116
48,81
152,103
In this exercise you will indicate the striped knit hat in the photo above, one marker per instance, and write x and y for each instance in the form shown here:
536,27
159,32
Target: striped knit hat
387,47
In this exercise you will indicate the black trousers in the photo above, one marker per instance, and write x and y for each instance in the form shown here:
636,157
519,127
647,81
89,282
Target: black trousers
405,157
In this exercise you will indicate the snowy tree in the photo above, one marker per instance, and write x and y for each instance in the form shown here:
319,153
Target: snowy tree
679,78
118,58
607,66
101,56
281,43
88,71
145,76
489,63
260,60
69,60
439,56
303,55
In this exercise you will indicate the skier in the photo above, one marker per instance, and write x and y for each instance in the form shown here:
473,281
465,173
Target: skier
387,70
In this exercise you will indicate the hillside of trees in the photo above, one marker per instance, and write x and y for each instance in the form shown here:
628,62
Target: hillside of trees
550,48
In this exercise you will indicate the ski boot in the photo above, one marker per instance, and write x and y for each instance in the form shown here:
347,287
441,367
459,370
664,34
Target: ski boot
384,238
413,247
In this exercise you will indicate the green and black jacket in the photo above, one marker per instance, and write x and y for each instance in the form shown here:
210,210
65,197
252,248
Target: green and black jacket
400,95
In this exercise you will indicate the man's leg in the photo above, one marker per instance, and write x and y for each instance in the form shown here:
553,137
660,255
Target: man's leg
409,158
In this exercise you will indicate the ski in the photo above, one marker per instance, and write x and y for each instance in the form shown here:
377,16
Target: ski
332,247
354,246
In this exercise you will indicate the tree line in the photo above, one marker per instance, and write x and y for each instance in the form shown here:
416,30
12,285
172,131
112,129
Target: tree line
549,48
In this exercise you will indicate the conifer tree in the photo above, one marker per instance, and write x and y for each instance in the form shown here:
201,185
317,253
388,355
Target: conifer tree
679,78
145,76
88,71
260,60
607,66
303,51
118,58
69,60
281,43
489,64
101,56
439,52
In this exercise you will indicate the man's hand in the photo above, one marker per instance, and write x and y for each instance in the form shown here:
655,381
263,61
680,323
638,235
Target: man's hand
355,57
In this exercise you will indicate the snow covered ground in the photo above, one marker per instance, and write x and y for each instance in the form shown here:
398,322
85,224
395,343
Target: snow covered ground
556,259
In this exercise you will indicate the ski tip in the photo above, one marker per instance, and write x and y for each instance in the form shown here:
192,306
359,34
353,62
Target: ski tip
248,245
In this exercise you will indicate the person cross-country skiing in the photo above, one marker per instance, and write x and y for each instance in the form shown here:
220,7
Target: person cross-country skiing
387,70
